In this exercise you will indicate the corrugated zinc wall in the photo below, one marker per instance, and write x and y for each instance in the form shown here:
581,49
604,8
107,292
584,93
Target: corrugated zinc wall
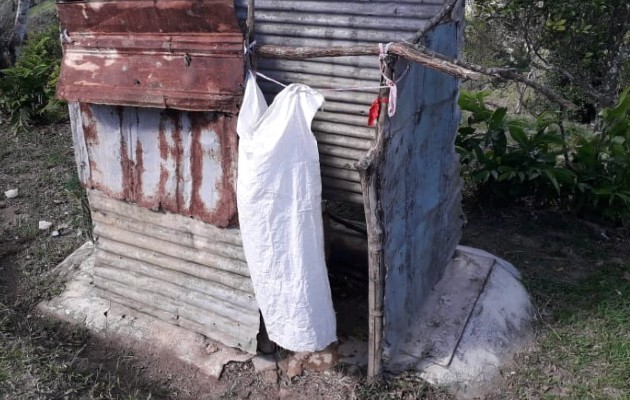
183,271
341,128
420,188
186,271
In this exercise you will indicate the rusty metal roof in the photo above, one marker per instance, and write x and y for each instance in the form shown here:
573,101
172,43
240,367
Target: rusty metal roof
182,54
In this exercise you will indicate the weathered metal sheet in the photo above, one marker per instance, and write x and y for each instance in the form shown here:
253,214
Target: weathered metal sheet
177,269
176,161
420,188
341,129
182,54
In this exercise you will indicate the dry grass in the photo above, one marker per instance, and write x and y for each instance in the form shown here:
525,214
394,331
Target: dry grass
42,359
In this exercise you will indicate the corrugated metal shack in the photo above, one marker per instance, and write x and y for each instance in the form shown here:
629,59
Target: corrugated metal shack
154,89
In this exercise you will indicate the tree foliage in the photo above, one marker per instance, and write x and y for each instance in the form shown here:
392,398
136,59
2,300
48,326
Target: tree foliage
508,160
582,45
27,90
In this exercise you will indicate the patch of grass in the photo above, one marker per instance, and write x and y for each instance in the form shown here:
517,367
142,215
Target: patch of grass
45,6
53,159
44,359
407,386
584,348
77,196
27,230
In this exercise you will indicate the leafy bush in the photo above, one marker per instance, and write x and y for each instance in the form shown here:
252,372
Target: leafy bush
27,89
602,165
507,160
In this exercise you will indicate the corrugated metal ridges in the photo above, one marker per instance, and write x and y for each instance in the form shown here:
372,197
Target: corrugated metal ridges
177,269
341,129
180,162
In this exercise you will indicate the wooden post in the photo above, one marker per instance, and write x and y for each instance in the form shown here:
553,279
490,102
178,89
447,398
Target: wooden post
250,21
249,38
369,171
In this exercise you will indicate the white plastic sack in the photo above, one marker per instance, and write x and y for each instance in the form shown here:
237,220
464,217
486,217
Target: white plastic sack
279,206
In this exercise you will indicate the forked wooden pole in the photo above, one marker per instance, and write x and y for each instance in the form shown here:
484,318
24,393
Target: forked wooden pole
369,170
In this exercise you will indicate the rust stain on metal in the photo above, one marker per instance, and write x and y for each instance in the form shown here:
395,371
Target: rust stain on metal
90,132
138,169
163,144
126,164
176,153
163,204
184,163
224,213
196,168
182,54
229,145
90,136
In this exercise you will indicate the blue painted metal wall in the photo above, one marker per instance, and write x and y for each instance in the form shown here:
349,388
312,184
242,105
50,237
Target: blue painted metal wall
420,187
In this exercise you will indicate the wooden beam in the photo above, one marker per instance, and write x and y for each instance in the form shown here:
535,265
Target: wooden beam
401,49
419,54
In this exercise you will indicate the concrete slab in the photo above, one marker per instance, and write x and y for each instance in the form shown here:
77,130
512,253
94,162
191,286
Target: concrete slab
499,326
441,321
79,304
473,336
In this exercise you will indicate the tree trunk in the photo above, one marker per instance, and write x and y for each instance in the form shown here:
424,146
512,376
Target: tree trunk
618,55
19,31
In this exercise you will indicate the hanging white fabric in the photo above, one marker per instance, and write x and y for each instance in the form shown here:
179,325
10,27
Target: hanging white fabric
279,205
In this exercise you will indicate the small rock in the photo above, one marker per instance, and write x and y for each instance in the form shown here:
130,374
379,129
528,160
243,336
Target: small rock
211,348
270,377
44,225
294,368
322,360
54,233
11,193
291,367
264,363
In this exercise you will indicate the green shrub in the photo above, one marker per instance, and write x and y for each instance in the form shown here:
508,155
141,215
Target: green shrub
508,160
602,164
27,89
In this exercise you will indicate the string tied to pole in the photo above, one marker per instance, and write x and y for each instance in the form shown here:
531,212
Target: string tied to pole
393,90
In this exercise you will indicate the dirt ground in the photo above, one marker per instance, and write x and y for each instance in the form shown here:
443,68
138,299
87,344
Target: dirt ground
42,359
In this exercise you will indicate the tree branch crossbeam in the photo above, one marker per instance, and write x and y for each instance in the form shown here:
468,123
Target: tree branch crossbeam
415,53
